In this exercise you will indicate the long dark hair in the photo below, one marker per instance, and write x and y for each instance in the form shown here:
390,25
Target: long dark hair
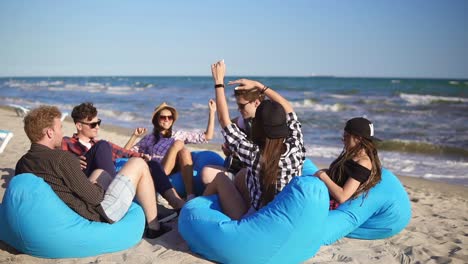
337,173
157,129
269,167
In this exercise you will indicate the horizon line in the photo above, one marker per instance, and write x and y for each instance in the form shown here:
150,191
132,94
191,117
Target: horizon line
261,76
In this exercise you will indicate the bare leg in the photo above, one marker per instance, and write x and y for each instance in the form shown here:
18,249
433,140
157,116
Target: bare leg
169,161
137,170
173,198
241,185
186,169
101,177
232,203
209,172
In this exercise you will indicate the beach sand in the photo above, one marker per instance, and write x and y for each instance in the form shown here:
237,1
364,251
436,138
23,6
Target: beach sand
437,233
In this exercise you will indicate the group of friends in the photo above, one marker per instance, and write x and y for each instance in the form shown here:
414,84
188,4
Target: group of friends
264,148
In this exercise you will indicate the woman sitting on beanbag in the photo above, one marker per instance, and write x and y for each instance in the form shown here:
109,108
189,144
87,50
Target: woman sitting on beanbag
358,168
168,147
275,156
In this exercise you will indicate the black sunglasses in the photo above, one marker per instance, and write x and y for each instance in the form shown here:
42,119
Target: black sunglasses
242,106
93,124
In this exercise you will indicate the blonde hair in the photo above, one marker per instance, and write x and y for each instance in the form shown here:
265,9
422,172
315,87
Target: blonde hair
39,119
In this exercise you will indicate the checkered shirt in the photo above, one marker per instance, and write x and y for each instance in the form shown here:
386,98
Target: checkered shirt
157,150
290,164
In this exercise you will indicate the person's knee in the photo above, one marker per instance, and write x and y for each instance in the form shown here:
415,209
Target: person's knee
185,156
208,174
178,145
103,145
136,164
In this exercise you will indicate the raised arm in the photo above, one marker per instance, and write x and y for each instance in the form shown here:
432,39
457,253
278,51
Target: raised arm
218,70
246,84
139,131
209,133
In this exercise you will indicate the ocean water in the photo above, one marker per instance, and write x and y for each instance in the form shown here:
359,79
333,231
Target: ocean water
423,122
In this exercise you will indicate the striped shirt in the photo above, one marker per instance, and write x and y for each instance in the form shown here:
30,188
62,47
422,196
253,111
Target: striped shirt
73,145
61,170
290,163
157,150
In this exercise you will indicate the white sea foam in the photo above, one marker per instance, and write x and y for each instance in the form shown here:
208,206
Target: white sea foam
417,99
323,151
120,90
199,106
403,163
340,96
122,116
309,104
444,176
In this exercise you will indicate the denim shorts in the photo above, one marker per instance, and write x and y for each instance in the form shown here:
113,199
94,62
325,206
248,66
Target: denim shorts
118,197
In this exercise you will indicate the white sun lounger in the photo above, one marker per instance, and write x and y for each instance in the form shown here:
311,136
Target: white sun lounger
64,114
5,136
20,110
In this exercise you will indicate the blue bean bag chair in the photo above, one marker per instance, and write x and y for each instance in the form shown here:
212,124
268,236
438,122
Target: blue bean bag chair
287,230
384,212
200,159
264,236
35,221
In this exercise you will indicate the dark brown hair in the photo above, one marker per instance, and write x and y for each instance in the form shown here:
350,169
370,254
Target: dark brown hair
84,111
39,119
269,168
157,128
337,173
249,95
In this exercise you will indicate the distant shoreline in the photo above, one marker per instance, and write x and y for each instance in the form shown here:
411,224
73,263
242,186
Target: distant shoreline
461,79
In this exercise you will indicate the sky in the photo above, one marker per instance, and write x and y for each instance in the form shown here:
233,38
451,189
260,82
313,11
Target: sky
362,38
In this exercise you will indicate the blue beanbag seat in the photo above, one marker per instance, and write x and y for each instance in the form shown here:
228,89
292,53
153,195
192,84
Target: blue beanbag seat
292,227
200,159
35,221
288,230
384,212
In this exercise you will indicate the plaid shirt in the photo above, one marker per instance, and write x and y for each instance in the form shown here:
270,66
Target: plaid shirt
290,163
73,145
157,150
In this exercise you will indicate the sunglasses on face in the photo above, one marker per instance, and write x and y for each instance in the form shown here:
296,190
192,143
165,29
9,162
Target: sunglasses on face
93,124
242,106
166,118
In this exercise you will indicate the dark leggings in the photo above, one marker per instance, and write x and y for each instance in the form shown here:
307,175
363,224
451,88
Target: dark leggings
99,156
160,179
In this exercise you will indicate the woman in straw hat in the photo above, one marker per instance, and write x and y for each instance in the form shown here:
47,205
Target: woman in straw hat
273,157
168,146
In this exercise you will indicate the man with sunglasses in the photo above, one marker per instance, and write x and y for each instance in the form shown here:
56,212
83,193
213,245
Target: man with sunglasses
85,145
102,154
247,102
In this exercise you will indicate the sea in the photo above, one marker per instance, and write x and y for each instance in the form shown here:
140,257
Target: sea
423,122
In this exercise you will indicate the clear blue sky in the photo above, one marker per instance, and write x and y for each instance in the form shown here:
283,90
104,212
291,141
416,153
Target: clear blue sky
399,38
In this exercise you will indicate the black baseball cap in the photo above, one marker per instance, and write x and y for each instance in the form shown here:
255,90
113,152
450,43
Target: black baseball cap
359,126
273,117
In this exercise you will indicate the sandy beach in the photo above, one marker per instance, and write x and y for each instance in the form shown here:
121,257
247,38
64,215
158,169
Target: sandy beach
437,232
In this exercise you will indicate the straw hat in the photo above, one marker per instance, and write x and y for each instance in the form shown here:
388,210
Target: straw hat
163,106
